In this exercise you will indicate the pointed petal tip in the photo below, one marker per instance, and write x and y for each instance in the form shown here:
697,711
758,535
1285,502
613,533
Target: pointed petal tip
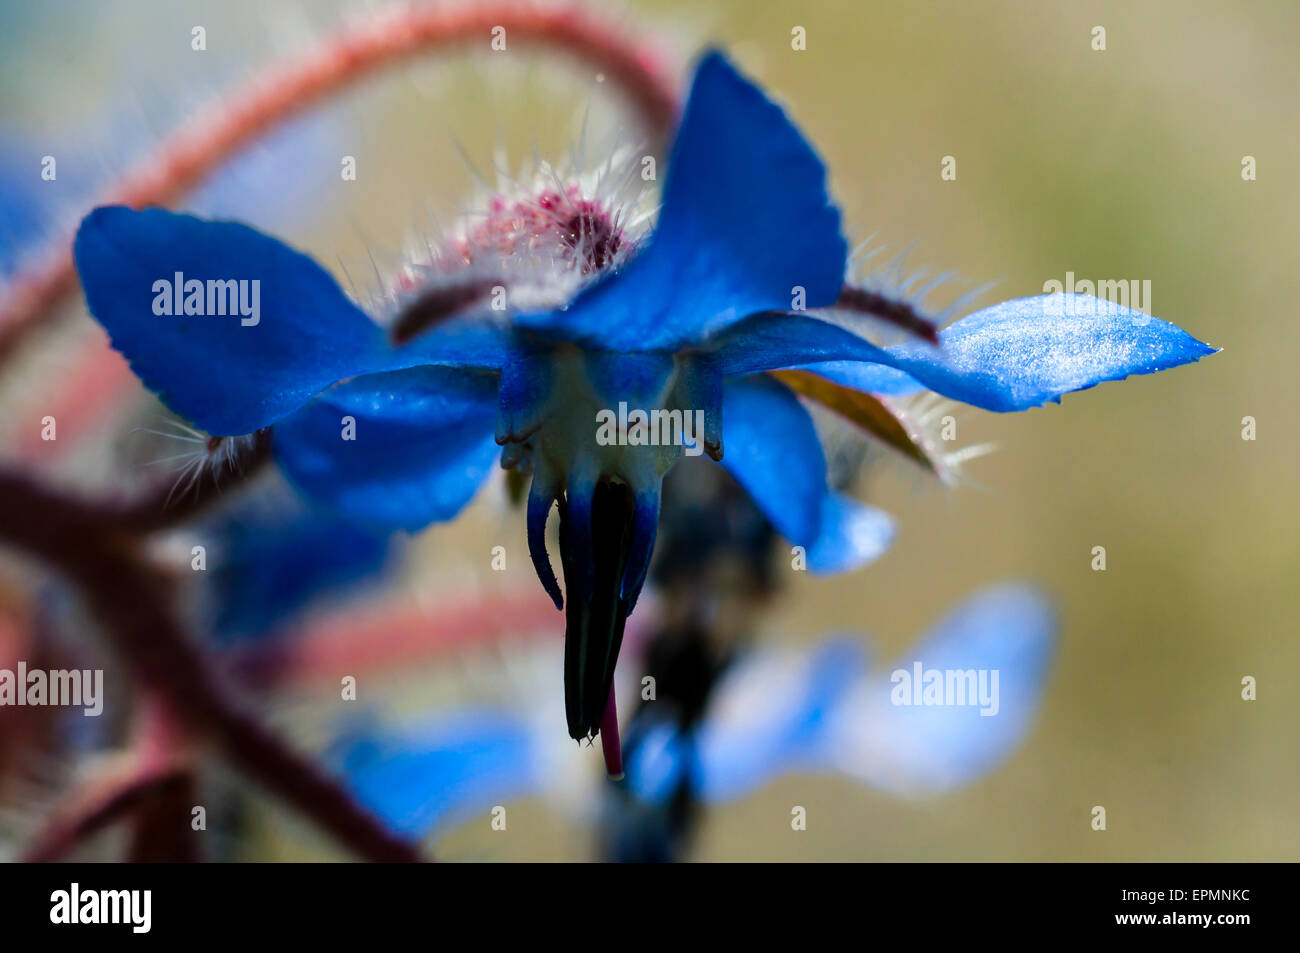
97,218
140,274
552,590
852,534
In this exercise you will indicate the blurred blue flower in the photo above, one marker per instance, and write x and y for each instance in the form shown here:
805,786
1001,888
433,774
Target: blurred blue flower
441,771
774,713
22,219
837,713
36,211
270,563
746,238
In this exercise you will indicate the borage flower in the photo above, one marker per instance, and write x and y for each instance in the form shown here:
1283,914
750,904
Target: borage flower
688,320
827,710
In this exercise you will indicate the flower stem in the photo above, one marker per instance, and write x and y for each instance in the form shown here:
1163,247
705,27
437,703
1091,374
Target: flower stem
132,601
217,133
100,803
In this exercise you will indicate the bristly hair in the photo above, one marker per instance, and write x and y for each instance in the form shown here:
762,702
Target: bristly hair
903,294
202,455
851,453
542,234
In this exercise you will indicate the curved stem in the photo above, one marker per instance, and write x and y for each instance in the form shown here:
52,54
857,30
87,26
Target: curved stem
132,601
155,770
215,134
99,804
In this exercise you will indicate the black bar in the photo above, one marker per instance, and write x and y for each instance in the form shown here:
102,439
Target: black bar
475,902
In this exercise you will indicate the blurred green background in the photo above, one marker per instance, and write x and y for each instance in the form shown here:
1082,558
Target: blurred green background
1113,165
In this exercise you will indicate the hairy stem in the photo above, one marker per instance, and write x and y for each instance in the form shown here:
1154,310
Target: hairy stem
132,601
895,311
215,134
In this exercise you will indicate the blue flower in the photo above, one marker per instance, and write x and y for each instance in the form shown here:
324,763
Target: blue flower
879,724
824,711
273,560
439,772
688,321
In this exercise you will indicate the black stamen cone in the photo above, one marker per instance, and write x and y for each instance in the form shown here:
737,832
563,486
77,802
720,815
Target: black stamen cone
593,630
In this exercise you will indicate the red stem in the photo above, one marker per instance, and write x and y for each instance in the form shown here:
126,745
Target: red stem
132,602
216,133
92,808
156,769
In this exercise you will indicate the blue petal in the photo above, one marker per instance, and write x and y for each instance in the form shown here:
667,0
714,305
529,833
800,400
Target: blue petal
455,764
852,534
1009,629
1011,356
423,445
25,212
656,757
1024,353
467,342
273,561
224,375
771,716
770,446
767,342
872,378
527,380
745,220
638,378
